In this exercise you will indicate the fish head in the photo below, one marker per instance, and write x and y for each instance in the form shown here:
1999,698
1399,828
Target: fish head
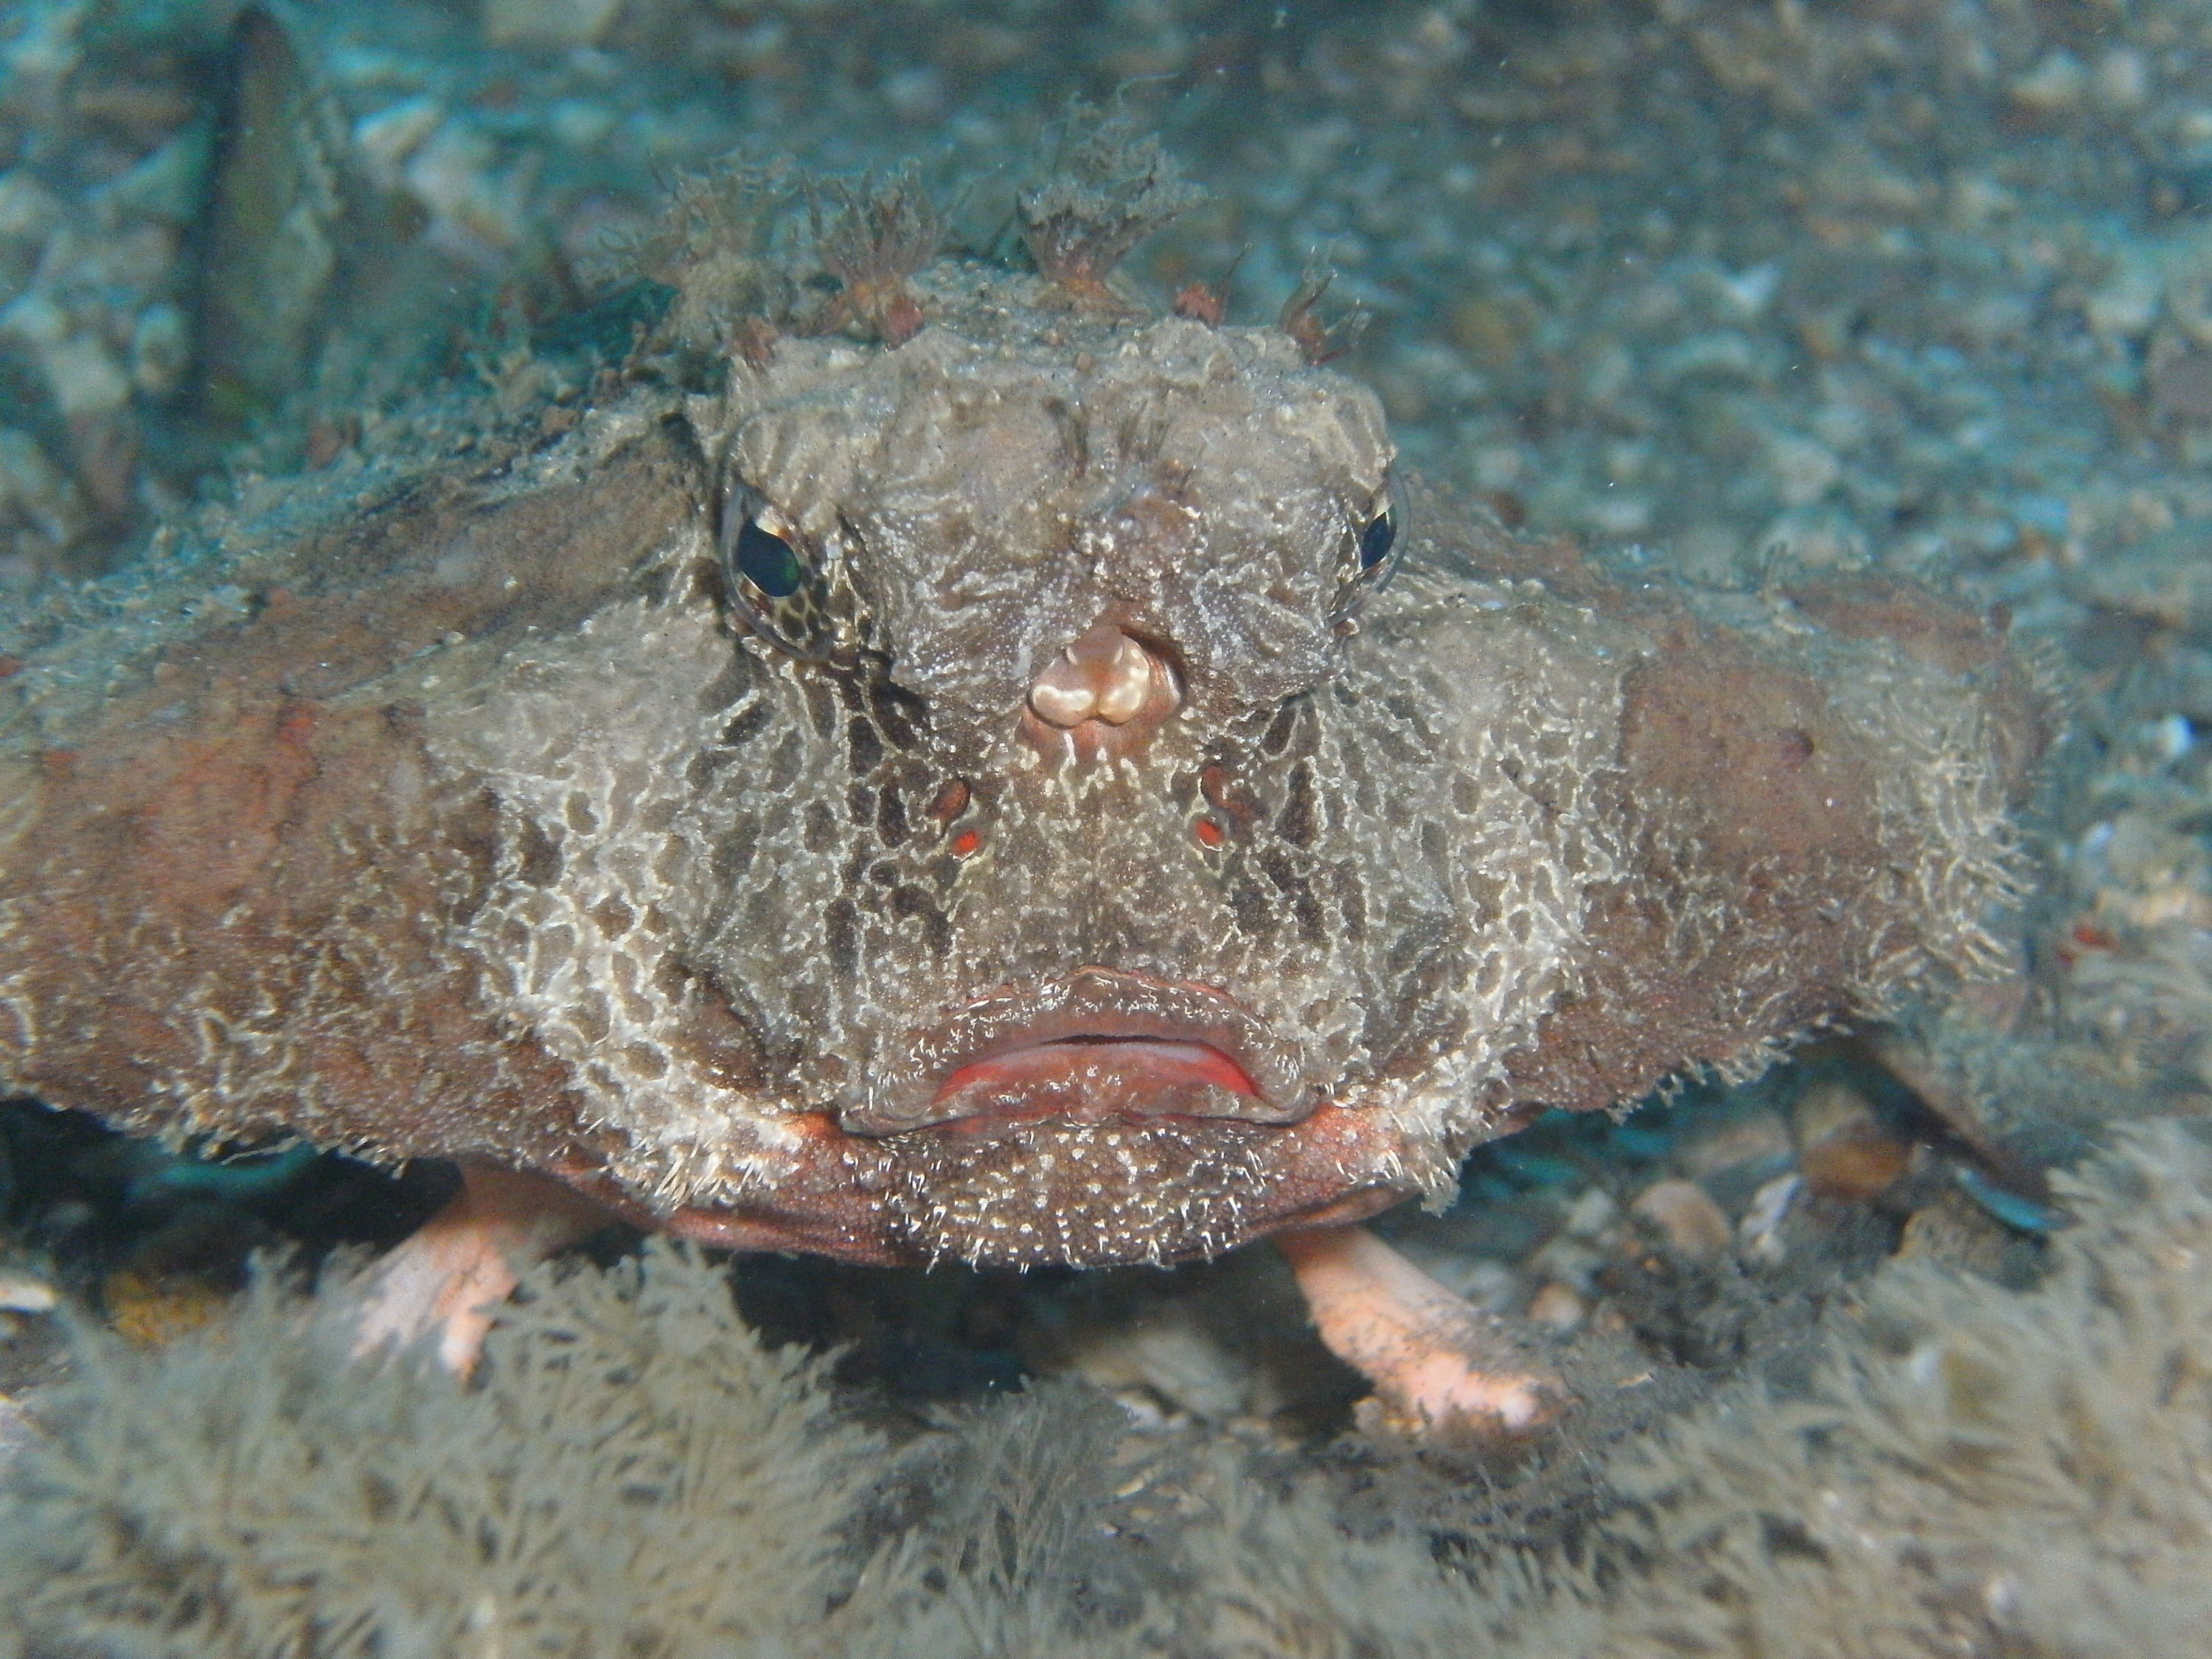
1039,873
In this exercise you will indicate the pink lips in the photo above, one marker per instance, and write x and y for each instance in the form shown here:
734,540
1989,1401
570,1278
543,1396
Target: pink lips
1096,1078
1117,1075
1098,1044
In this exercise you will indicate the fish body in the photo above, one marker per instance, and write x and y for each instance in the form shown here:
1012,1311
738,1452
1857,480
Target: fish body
1044,790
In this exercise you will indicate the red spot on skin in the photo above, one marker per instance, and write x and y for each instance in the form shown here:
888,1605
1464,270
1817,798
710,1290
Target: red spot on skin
10,665
1226,798
965,843
1209,833
58,764
2082,938
952,801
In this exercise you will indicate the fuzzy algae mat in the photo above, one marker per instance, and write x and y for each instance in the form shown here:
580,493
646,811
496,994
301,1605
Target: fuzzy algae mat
1973,1471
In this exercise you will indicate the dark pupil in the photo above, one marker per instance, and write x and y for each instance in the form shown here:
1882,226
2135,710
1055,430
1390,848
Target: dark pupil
767,561
1374,541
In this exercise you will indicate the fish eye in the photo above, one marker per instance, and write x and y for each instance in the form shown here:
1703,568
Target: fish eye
1370,555
1377,538
766,560
791,591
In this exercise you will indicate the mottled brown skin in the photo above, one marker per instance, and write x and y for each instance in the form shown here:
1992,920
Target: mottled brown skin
508,820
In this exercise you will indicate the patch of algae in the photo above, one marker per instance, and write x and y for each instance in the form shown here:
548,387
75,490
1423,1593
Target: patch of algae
1973,1471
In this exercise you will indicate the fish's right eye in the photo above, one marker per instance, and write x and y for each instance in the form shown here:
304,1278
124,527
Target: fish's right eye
791,589
766,560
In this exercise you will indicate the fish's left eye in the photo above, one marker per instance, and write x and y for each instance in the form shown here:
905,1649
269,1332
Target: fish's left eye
1378,538
1370,552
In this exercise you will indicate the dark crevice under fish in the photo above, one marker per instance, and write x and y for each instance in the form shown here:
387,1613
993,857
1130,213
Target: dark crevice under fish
971,796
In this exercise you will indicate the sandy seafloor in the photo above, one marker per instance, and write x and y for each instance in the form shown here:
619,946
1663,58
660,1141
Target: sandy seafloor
1719,288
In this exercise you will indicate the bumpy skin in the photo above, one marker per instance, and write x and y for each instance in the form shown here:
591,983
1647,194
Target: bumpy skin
483,823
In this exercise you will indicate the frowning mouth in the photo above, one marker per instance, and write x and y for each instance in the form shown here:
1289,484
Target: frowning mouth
1092,1076
1101,1044
1102,1116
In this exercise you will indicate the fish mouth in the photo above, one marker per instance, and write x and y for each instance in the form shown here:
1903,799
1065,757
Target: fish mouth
1100,1044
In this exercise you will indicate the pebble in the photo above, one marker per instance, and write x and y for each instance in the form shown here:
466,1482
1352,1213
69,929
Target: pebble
1171,1361
1857,1159
1753,1140
167,187
2122,80
2171,737
82,374
476,208
386,139
555,24
1976,199
1824,1107
36,499
2054,86
1758,1235
1955,1232
1858,178
1618,515
1486,1281
2193,125
28,208
1691,1223
160,350
25,1293
2186,287
1748,292
2180,383
1559,1306
2165,580
1491,1286
43,54
1569,1260
580,124
1803,469
1818,539
1725,356
18,1429
1590,1214
150,1311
